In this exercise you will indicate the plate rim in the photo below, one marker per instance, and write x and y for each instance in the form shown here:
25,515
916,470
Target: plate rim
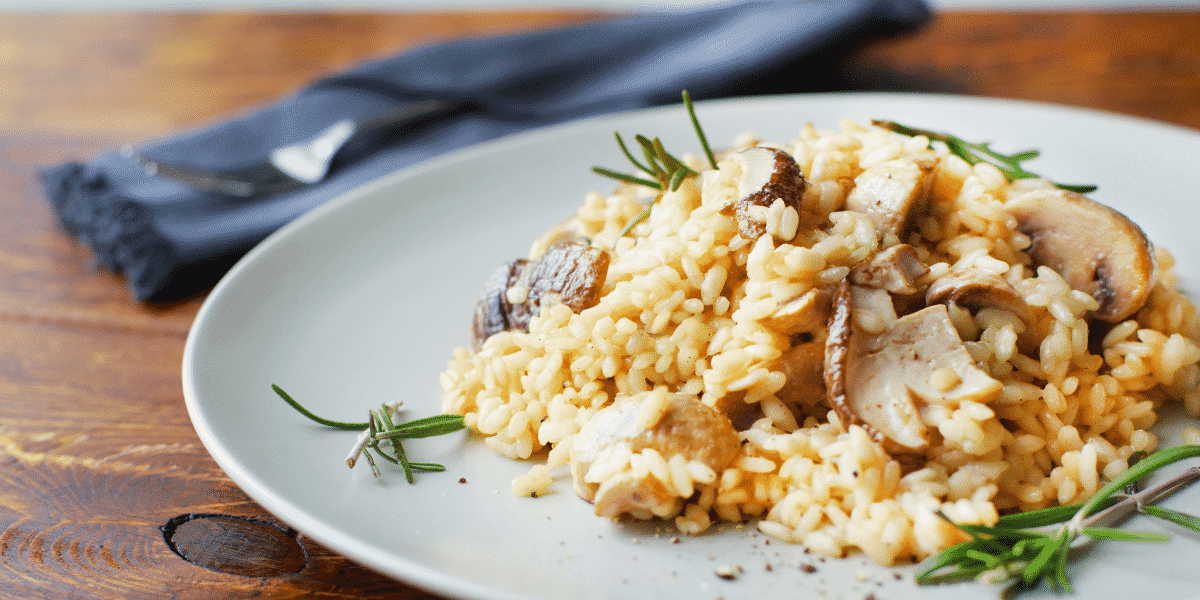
398,567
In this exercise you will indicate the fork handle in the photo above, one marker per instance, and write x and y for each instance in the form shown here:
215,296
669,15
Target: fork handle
310,163
408,113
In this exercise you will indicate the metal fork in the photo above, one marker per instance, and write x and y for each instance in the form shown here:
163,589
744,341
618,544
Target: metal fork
295,165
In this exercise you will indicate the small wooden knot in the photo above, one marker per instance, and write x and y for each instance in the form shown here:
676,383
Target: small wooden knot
235,545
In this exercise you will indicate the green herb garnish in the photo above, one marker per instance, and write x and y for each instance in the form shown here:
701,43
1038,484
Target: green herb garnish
381,428
1017,550
1009,164
665,171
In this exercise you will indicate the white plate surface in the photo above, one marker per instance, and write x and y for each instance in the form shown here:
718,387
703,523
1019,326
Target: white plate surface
364,299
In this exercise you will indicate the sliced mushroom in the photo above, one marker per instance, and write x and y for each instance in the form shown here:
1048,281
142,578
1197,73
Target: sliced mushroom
687,427
492,310
767,174
976,290
895,269
875,380
806,312
867,302
804,366
892,193
569,271
1094,248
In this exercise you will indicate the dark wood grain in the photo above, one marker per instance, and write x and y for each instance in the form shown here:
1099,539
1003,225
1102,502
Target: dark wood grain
1139,63
96,450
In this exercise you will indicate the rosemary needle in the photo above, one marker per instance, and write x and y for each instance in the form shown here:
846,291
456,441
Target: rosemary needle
687,101
305,412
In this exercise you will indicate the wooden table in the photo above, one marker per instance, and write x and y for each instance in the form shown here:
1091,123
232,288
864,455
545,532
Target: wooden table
96,450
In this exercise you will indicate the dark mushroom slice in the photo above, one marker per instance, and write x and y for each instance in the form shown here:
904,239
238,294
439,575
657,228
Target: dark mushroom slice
892,193
491,312
688,427
1095,249
875,380
572,272
767,174
976,290
568,271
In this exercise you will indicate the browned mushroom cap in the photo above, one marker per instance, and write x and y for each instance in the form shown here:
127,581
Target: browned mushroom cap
491,312
874,380
767,174
976,290
892,193
895,269
1094,248
572,271
687,427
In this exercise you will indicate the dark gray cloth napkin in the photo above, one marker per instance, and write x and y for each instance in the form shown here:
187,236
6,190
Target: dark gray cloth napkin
171,241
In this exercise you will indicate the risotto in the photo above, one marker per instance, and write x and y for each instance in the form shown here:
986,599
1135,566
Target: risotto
836,338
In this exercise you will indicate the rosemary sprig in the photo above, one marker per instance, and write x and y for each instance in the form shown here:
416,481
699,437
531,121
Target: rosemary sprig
668,172
1018,551
664,171
382,428
974,153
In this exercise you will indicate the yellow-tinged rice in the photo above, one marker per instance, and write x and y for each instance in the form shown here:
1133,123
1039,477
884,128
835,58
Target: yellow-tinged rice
686,308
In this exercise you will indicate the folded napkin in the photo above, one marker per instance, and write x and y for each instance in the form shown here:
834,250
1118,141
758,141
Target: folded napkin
171,241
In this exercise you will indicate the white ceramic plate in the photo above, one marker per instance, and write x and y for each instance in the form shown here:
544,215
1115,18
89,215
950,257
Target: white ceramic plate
364,299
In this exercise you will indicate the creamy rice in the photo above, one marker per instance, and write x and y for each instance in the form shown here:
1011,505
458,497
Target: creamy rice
687,308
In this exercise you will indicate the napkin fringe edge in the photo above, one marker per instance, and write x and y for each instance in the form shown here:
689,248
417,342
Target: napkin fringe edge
119,230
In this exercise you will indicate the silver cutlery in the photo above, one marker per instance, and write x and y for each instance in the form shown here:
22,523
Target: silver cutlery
296,165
